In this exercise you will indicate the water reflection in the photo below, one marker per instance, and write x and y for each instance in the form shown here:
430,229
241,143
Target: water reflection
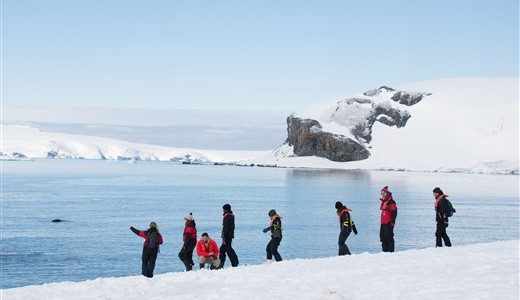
328,173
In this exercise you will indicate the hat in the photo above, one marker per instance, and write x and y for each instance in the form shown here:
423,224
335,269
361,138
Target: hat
226,207
338,205
437,190
385,189
188,217
153,225
272,212
205,234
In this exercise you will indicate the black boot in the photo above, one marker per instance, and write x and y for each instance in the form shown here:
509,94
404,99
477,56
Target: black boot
201,266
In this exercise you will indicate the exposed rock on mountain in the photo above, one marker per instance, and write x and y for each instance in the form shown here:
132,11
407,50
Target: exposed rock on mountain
355,116
308,139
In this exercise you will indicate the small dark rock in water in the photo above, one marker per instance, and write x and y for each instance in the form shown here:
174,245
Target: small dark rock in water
57,220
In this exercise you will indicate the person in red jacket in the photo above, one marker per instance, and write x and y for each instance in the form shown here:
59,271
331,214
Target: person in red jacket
207,250
152,240
189,237
388,209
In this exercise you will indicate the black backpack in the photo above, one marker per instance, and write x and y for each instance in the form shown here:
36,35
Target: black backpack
449,208
153,236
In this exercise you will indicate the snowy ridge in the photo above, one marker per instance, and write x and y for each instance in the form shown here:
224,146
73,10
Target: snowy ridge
483,271
27,142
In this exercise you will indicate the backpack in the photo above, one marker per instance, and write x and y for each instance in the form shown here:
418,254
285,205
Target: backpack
350,224
153,236
449,208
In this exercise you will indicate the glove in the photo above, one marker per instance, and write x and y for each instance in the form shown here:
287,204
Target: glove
266,229
445,223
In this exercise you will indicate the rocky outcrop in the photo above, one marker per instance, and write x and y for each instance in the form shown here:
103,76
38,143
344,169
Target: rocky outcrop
308,139
407,98
358,116
378,91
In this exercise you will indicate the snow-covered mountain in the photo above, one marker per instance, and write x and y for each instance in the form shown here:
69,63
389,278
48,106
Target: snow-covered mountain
450,125
20,142
482,271
447,125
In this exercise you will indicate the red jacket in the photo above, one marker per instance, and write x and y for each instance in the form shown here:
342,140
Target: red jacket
388,210
204,249
190,233
144,235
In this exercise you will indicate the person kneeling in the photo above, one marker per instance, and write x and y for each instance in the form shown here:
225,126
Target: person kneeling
208,251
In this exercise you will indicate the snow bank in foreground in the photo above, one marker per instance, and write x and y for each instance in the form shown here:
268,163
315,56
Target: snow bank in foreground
483,271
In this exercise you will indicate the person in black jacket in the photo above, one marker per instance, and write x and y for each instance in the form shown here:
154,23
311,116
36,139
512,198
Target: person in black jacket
228,233
189,237
152,240
441,217
275,226
346,227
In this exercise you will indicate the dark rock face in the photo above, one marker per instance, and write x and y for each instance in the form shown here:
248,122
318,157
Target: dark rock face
376,92
18,155
407,98
52,154
388,116
308,139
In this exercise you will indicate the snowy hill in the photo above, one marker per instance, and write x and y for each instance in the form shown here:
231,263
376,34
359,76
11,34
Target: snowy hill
442,125
27,142
482,271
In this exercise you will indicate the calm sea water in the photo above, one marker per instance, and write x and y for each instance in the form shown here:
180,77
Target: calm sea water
101,200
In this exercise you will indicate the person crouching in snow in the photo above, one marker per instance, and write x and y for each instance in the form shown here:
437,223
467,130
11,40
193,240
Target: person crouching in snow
275,226
152,240
388,209
189,237
207,250
441,216
346,227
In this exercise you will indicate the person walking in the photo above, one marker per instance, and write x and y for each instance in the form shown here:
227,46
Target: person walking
346,226
442,213
228,234
388,209
275,226
152,240
207,250
189,237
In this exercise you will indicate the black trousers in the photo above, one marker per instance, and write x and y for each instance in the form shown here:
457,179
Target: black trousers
272,248
441,234
149,256
226,248
186,254
342,242
386,235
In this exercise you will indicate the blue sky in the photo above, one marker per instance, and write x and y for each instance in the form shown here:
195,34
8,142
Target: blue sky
260,55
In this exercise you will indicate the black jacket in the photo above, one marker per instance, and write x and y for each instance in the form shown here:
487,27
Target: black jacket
441,211
344,219
228,225
276,227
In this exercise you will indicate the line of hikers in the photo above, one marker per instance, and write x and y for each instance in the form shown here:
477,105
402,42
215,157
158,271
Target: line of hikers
209,252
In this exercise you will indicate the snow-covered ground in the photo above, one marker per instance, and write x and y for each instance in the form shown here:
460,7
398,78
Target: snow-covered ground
481,271
465,125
